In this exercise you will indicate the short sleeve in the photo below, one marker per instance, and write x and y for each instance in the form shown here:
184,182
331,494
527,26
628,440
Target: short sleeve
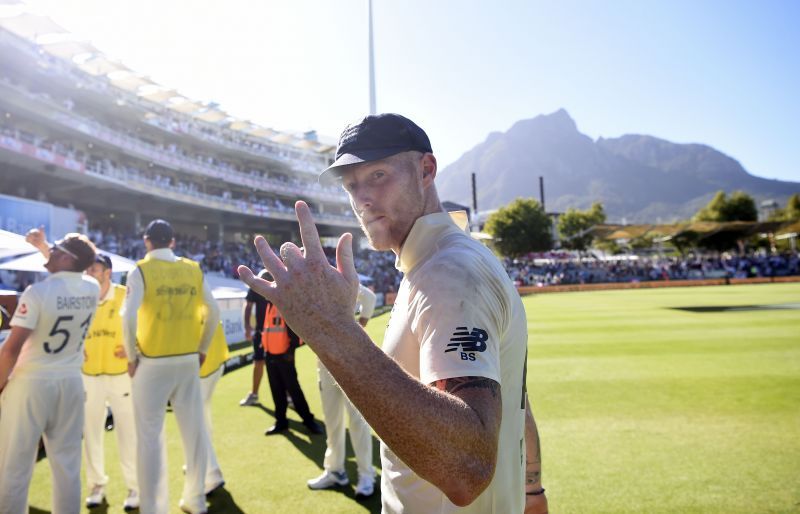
28,308
457,322
252,296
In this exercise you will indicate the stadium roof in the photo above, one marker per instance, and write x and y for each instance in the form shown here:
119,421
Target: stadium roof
69,49
101,65
31,26
132,82
57,41
186,106
211,115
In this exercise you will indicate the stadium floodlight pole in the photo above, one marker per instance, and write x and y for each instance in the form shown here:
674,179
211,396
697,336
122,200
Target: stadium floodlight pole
474,204
372,108
541,192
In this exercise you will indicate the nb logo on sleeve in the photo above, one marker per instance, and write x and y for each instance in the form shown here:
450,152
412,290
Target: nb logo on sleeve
468,342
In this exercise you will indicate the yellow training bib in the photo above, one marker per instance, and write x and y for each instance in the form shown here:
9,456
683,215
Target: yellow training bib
104,338
170,317
217,353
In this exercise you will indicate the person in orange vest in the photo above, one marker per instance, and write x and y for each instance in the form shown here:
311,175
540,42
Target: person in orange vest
280,342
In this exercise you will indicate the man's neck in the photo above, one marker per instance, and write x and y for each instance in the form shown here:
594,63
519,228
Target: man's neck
104,287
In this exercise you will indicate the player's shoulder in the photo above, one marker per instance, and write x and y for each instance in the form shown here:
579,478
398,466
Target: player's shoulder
460,257
90,282
190,262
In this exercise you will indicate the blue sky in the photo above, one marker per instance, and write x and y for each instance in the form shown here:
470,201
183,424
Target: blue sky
726,74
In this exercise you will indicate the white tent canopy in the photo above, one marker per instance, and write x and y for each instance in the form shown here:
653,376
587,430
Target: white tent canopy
14,244
35,262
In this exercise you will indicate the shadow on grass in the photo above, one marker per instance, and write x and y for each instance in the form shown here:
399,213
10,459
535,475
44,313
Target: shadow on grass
313,447
222,501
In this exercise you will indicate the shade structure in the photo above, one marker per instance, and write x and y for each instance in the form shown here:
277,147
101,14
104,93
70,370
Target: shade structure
14,244
35,262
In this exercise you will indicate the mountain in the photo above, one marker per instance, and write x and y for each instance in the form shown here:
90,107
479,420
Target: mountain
637,177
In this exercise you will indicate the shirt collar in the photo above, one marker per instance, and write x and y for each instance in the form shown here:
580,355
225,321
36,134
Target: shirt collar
65,274
421,241
109,294
164,254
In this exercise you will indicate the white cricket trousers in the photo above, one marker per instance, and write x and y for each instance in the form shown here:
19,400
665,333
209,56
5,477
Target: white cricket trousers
116,390
207,385
30,408
334,403
155,382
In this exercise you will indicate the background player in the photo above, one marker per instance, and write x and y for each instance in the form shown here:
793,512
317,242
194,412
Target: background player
44,397
334,403
254,301
105,379
166,342
210,372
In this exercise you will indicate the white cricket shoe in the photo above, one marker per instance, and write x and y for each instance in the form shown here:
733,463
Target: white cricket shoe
366,486
96,497
185,508
132,501
250,399
328,479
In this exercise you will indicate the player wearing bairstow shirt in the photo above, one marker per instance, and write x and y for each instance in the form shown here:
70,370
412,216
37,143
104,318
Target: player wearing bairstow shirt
44,395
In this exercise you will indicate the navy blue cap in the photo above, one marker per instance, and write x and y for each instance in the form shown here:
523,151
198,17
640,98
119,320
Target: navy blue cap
376,137
159,232
103,259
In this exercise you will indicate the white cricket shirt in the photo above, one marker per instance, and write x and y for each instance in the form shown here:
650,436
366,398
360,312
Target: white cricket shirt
365,302
457,314
59,310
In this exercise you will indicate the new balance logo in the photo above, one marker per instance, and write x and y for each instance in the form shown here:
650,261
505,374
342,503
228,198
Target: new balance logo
466,341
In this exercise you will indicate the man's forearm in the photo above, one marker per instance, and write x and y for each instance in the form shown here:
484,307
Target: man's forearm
129,335
7,361
9,352
412,418
212,320
248,313
533,450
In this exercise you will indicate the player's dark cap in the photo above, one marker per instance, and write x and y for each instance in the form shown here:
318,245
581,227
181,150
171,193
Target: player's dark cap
79,247
103,259
376,137
159,232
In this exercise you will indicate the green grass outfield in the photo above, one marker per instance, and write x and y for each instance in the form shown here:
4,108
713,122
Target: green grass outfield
642,408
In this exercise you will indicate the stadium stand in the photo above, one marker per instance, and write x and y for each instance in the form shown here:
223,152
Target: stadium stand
82,130
570,270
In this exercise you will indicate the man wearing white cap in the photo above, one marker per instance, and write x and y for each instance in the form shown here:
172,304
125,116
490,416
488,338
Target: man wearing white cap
105,379
44,396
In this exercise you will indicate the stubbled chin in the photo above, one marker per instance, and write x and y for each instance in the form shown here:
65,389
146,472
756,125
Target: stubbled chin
376,241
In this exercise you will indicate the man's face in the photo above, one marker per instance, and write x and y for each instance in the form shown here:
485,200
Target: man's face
99,273
387,197
59,260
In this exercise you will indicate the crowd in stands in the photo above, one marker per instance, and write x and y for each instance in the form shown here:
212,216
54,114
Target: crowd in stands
377,269
129,173
223,258
549,271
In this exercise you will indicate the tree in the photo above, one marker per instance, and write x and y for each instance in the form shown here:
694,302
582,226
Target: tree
574,224
789,213
519,228
739,207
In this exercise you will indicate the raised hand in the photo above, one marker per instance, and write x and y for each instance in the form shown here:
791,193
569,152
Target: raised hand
38,238
309,292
